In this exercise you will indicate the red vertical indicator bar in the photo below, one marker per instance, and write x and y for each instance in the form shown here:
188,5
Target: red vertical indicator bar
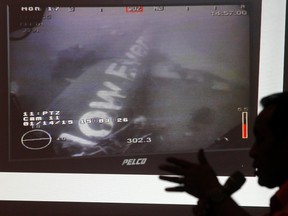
244,125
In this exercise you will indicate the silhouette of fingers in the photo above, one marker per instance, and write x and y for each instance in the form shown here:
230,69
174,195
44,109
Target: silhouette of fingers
176,189
202,158
172,179
172,169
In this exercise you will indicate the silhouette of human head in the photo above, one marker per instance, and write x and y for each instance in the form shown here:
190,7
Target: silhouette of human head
270,149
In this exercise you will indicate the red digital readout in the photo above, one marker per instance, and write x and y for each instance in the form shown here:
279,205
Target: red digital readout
134,9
